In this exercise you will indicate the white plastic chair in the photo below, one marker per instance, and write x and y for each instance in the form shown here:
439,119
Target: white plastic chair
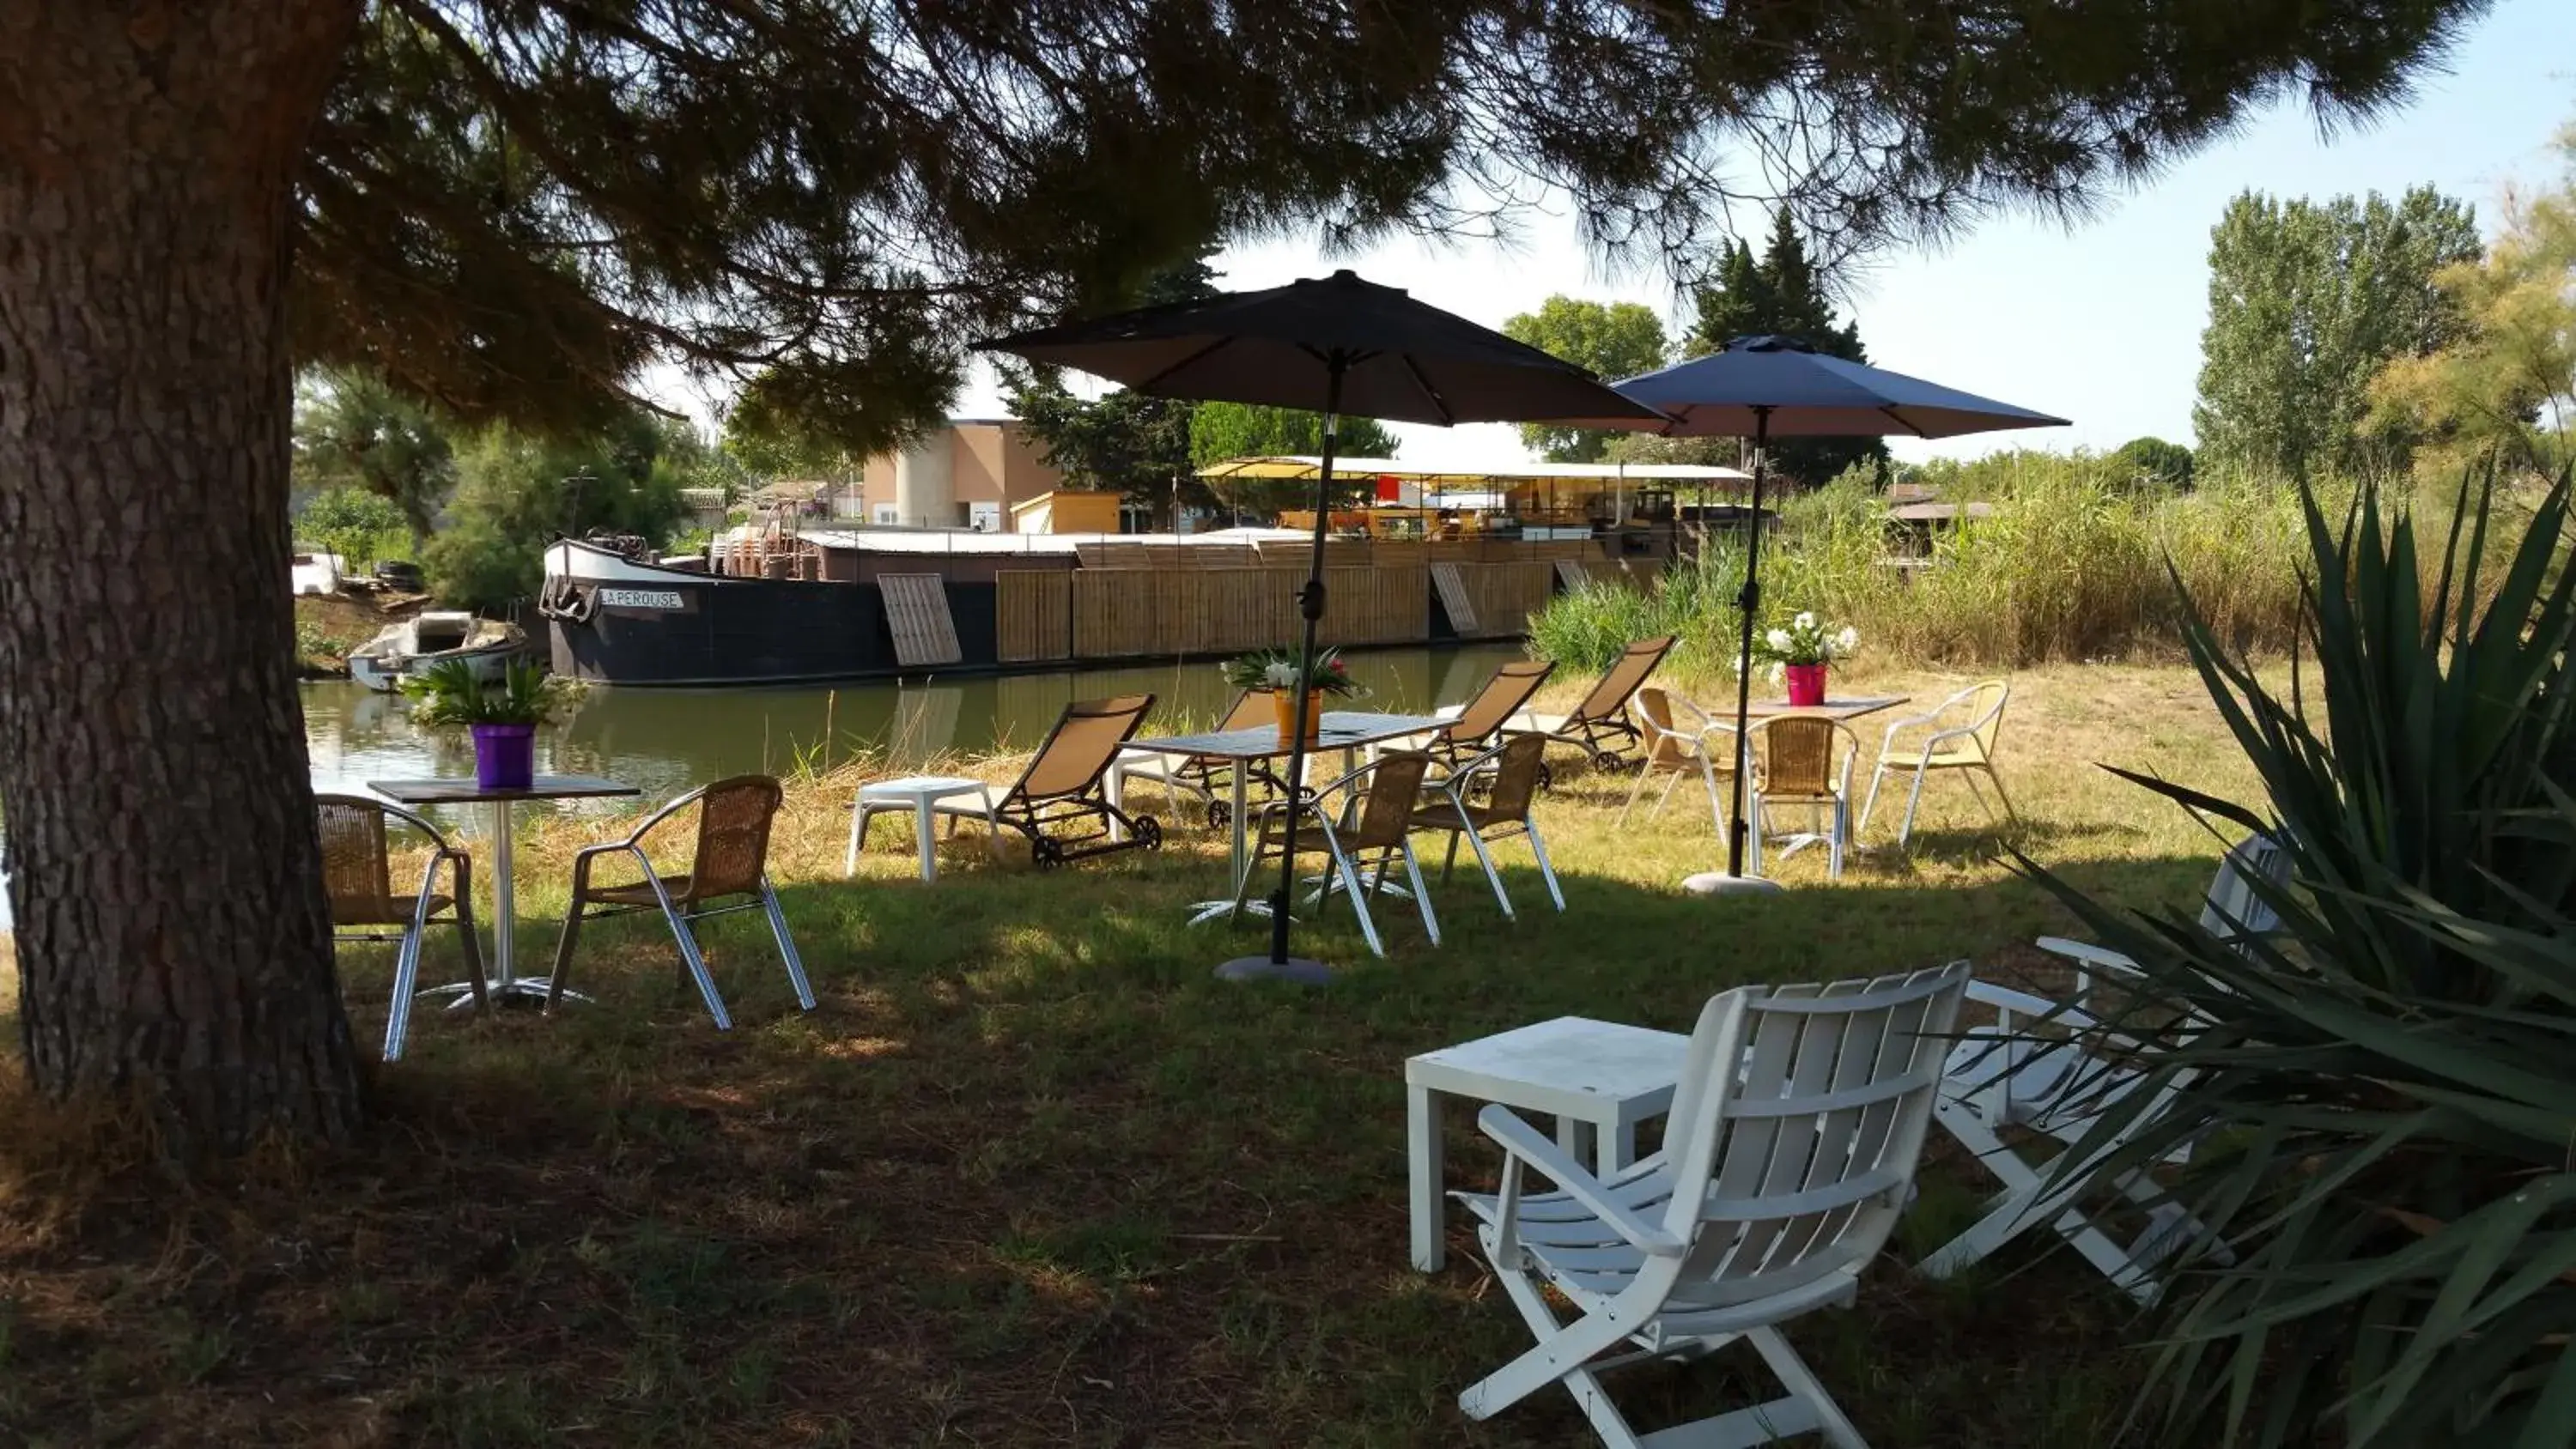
2005,1078
1788,1156
1965,732
1679,737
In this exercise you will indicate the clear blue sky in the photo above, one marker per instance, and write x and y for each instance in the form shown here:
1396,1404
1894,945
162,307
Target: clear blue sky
2099,322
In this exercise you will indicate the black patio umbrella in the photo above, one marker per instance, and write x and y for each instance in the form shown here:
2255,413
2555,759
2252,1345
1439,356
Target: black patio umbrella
1341,345
1761,387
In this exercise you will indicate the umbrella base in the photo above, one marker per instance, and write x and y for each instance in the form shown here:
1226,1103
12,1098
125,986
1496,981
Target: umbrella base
1296,969
1719,883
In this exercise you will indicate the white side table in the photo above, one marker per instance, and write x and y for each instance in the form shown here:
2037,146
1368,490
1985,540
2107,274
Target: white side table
1595,1075
916,793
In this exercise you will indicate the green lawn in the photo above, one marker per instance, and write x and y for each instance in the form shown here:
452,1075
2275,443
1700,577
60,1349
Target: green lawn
1029,1175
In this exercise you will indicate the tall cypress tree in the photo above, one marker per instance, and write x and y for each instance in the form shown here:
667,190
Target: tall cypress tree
1782,294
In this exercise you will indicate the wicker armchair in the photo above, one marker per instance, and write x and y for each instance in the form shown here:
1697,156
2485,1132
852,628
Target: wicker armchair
730,862
1805,760
357,874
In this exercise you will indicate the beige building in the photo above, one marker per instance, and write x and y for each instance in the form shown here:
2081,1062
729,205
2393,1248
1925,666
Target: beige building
969,474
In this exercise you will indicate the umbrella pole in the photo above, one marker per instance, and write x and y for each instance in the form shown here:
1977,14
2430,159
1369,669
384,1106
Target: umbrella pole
1310,603
1750,603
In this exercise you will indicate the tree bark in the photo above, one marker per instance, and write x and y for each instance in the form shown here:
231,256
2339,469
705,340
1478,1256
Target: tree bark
173,941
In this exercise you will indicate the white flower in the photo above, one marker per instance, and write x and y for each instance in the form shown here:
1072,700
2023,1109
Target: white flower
1847,641
1777,673
1805,621
1777,638
1279,674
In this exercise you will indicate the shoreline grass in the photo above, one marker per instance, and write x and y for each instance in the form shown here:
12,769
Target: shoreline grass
1029,1175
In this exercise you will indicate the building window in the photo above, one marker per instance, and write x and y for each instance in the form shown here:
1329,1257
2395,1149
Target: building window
885,515
984,517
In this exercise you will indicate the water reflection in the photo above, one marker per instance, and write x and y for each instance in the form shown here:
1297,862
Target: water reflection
665,741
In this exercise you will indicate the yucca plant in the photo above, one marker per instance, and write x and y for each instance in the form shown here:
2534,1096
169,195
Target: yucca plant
2381,1098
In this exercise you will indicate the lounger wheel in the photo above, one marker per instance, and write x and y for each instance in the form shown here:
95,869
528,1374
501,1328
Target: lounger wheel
1220,816
1547,777
1046,852
1149,832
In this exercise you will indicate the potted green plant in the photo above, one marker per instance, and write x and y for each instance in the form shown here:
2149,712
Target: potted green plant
1804,651
1276,670
502,720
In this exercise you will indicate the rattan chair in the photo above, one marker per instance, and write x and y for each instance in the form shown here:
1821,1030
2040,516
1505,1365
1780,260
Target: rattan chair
1680,738
1507,777
1200,777
730,862
1965,729
1599,724
357,874
1361,820
1805,760
1065,786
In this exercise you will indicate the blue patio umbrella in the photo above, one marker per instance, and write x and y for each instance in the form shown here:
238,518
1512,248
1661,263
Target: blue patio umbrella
1766,387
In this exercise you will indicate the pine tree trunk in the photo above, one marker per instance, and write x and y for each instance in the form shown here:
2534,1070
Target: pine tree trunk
173,942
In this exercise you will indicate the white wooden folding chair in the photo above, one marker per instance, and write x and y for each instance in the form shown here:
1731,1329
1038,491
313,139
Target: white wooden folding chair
1787,1157
2048,1092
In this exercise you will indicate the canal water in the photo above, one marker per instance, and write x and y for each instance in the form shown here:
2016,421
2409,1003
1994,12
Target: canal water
666,741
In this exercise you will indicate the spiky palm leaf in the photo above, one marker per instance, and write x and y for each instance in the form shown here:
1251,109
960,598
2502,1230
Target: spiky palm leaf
2381,1095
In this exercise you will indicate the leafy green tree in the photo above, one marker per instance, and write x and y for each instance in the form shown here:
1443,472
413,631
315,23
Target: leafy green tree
2308,301
1222,430
510,209
2156,461
1781,294
352,430
518,490
350,522
2507,381
1613,339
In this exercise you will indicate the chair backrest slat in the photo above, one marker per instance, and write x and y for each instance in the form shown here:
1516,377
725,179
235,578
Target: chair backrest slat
734,821
1515,779
1500,699
1799,1118
1081,747
1383,815
2234,911
1611,693
357,871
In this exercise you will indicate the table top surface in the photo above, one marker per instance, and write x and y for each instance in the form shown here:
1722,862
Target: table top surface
464,791
920,785
1340,729
1571,1063
1851,708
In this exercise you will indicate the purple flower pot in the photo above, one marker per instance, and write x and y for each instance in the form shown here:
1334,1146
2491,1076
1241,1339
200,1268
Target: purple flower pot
505,756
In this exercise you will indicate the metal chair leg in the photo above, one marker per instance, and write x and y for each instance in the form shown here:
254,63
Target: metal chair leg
1645,772
1716,801
2010,814
1913,802
786,946
690,958
1493,877
1869,802
571,930
406,980
1359,898
1547,871
1421,896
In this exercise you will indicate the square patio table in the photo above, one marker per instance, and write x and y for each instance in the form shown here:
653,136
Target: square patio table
505,981
1597,1076
1339,729
1841,709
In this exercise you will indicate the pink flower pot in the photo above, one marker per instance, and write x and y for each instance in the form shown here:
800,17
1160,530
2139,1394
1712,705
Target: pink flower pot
1806,683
